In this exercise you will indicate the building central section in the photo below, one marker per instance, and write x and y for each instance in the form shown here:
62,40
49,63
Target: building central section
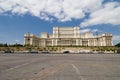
66,32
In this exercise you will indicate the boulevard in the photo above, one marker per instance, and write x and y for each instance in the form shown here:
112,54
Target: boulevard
59,66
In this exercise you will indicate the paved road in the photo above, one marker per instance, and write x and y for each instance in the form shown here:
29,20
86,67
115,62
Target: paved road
59,66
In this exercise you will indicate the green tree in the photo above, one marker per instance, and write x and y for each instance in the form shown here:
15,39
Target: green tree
117,45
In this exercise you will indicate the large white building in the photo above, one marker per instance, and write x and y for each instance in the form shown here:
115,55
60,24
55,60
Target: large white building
68,36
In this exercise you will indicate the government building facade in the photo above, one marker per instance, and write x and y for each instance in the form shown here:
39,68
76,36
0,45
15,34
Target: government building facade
68,36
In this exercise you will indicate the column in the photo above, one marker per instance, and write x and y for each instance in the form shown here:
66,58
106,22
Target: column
56,42
94,42
77,42
52,42
80,42
44,42
31,41
88,43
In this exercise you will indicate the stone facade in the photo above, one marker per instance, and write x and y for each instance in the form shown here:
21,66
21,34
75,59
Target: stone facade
68,36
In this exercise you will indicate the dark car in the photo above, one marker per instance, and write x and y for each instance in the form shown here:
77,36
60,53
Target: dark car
8,51
66,52
118,51
33,51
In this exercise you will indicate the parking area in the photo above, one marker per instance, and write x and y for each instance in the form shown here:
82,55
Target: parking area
59,66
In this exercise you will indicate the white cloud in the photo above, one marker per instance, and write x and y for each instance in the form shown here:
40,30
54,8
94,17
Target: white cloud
85,30
19,10
95,30
109,14
66,10
17,40
63,10
89,30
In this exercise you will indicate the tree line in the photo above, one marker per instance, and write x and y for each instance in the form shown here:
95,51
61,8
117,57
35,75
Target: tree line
10,45
118,45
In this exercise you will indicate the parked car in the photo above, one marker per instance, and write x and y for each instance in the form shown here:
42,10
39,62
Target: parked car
118,51
8,51
66,52
33,51
45,52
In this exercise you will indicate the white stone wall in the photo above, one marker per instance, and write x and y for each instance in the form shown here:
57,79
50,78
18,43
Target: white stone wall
44,35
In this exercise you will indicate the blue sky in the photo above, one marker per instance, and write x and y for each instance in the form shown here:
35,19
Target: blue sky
18,17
